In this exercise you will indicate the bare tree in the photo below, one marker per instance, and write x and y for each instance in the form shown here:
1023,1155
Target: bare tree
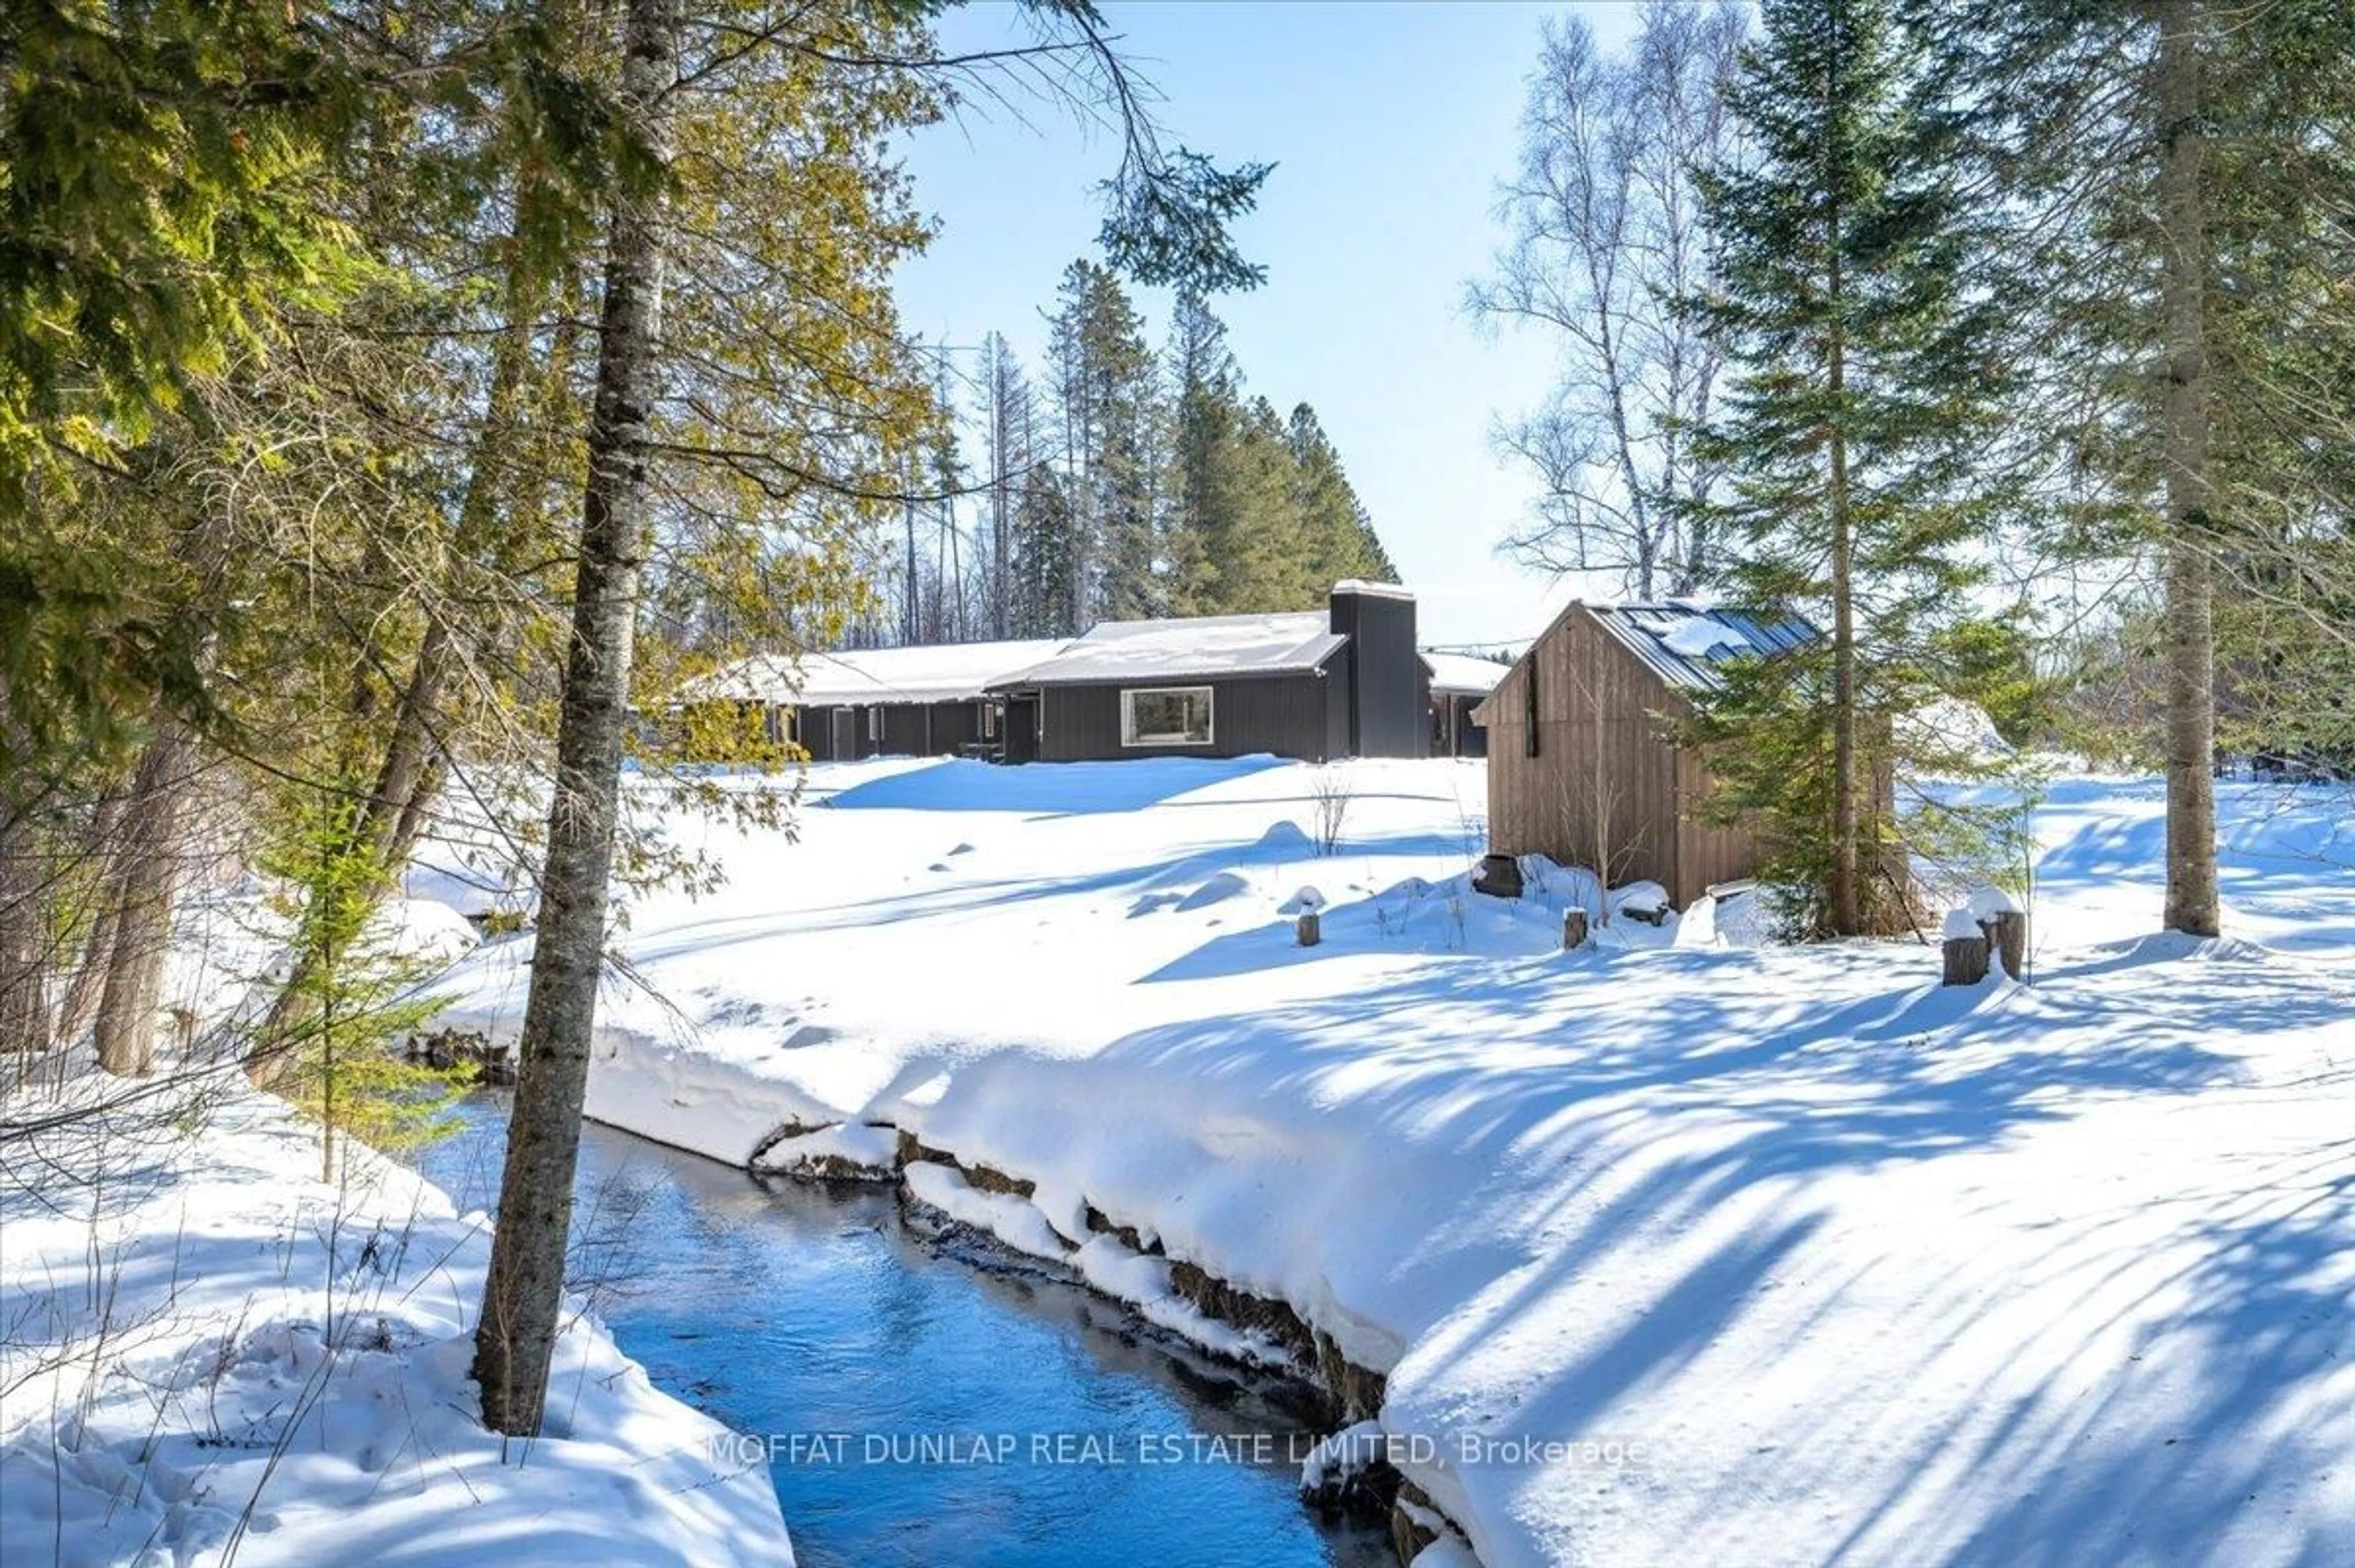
1606,239
1331,795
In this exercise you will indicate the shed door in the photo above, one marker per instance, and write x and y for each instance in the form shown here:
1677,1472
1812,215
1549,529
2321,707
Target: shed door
846,734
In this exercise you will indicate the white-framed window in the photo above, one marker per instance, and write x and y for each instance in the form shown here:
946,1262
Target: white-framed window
875,724
1165,715
989,721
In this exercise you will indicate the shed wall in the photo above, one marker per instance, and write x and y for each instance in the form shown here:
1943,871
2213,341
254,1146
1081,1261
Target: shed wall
1606,783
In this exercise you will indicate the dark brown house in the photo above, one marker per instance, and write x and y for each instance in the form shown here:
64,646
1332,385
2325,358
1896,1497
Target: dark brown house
924,701
1344,681
1459,684
1582,763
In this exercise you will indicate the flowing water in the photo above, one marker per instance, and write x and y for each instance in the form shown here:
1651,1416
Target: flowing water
925,1400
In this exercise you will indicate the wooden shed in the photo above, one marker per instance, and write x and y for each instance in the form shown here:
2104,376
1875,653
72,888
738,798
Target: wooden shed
1583,765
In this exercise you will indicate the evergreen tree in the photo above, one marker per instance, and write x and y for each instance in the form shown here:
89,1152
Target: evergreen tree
1864,384
1339,535
1046,563
1104,398
2177,171
1246,519
1205,397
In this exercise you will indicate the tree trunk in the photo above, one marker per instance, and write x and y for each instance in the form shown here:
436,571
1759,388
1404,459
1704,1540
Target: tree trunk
81,1003
1846,912
407,775
146,880
523,1293
2190,590
24,937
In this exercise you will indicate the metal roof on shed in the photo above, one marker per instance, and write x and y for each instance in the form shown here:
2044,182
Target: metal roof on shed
1683,641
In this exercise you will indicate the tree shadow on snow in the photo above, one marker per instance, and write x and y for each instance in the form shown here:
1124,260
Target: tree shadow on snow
1047,789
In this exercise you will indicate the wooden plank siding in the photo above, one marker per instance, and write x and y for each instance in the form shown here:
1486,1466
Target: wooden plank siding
1604,759
1302,714
909,728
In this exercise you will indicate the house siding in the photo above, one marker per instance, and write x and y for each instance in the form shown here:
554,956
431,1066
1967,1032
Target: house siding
910,730
1291,715
1389,686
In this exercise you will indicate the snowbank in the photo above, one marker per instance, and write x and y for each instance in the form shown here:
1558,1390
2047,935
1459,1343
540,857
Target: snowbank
1676,1250
209,1352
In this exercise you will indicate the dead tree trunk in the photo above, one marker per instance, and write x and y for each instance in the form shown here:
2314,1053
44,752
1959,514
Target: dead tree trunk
145,880
2192,903
523,1293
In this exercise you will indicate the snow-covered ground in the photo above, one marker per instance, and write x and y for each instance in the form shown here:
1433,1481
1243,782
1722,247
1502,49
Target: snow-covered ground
208,1354
1673,1250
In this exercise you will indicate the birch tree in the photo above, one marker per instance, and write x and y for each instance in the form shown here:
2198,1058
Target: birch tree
1606,237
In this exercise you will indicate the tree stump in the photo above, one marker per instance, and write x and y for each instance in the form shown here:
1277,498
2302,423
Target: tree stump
1965,950
2006,932
1311,930
1573,929
1966,960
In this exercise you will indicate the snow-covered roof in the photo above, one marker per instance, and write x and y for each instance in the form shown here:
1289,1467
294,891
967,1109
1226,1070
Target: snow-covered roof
1683,640
1201,647
1464,673
949,672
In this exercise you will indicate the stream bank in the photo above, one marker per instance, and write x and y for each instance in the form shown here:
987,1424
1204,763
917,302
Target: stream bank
919,1393
1121,1259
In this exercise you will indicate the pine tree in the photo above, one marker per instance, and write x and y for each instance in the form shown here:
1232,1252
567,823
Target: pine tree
2177,172
1046,563
1339,535
1205,399
1104,395
1864,385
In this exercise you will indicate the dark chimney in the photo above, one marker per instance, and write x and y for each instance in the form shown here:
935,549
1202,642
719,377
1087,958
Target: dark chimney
1389,692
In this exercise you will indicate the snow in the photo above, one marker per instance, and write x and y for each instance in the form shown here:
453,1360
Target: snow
947,672
212,1353
1192,647
1681,639
1986,903
1464,673
843,1151
1639,897
1865,1268
1961,925
1343,1453
1699,637
1953,726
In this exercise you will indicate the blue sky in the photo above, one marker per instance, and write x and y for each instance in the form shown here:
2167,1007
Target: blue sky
1389,125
